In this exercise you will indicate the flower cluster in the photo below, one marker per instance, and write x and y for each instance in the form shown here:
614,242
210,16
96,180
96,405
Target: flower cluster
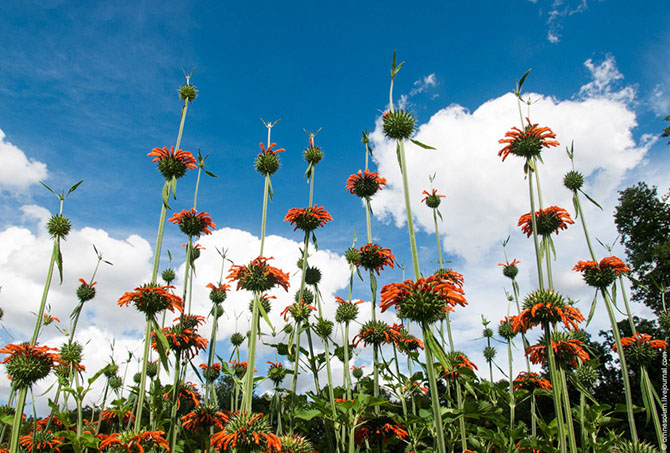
603,274
365,184
151,299
549,220
27,364
527,143
546,307
258,276
308,219
173,164
193,223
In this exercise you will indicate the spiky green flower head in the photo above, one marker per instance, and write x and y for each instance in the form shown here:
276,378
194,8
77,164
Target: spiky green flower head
137,378
28,364
599,278
376,333
217,311
573,180
312,275
323,328
510,270
277,372
237,339
85,292
640,354
506,329
6,409
398,125
490,353
264,302
353,256
627,446
307,296
168,275
346,312
2,313
550,301
267,164
188,92
71,354
663,320
62,372
487,332
58,226
41,441
111,370
152,369
433,201
586,375
357,372
195,252
295,443
300,311
313,155
115,382
252,433
211,373
191,321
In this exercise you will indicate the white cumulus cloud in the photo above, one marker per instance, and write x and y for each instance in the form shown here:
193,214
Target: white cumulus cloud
17,171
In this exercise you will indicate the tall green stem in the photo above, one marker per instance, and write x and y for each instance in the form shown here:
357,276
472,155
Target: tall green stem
533,217
408,210
512,402
247,397
644,376
140,394
18,417
434,397
624,367
568,413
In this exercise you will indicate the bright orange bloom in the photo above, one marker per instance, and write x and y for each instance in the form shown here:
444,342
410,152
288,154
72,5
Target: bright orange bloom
365,184
204,417
184,157
610,262
548,220
379,428
567,351
135,443
527,143
530,317
48,319
308,219
152,299
222,287
339,300
27,364
258,276
531,381
449,276
246,430
432,193
215,366
642,339
40,441
299,309
183,336
376,333
265,152
374,257
507,263
193,223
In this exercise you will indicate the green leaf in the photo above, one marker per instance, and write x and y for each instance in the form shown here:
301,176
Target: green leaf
316,246
591,199
7,420
59,259
174,187
307,414
593,309
48,188
575,203
265,315
270,191
166,194
422,145
162,344
522,80
73,188
209,173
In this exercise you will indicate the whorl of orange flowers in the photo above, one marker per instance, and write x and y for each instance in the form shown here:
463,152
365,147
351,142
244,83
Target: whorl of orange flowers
530,381
603,274
258,276
546,306
134,442
204,417
308,219
193,223
568,351
427,300
183,336
152,299
27,364
365,184
40,441
642,339
269,150
527,143
458,360
246,431
549,220
379,428
171,163
432,198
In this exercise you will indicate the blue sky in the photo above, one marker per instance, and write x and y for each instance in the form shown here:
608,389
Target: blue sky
90,89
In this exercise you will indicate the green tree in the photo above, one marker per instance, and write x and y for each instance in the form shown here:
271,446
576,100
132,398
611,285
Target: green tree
666,131
643,220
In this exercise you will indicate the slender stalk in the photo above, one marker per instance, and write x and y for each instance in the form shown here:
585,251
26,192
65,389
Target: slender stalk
397,369
408,210
296,366
248,391
512,402
210,358
266,193
533,217
18,417
547,256
45,293
644,376
580,213
347,375
582,431
174,426
624,367
434,398
140,394
556,389
568,412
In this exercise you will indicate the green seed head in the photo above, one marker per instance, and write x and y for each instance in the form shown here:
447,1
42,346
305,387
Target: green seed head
489,353
6,409
217,296
115,382
267,164
313,155
137,378
152,369
506,330
586,375
85,292
265,303
352,255
527,146
58,226
433,201
626,446
599,278
299,312
168,275
217,311
296,443
398,125
188,93
357,373
663,320
170,168
312,275
111,370
237,339
71,353
346,313
573,180
323,328
307,296
211,374
487,333
25,370
510,271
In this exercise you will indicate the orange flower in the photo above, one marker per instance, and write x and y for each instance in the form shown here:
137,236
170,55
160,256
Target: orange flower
376,333
365,184
258,276
432,199
527,143
152,299
432,193
531,381
379,428
373,257
299,311
134,442
567,350
244,431
308,219
601,275
192,223
204,417
548,220
27,364
265,152
546,307
173,164
183,336
48,319
40,441
642,339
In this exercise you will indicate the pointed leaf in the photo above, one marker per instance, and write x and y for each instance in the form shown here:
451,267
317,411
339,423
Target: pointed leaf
166,194
73,188
316,246
48,188
174,187
591,199
422,145
162,344
209,173
59,259
592,310
523,79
